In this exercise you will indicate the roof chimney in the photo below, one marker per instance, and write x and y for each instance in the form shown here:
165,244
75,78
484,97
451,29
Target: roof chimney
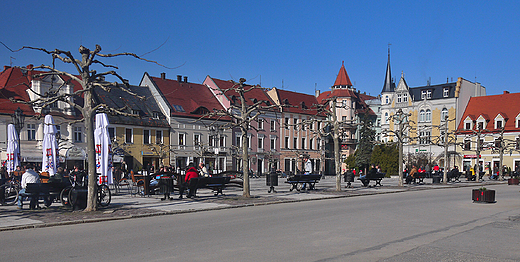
185,79
163,75
506,92
6,67
179,78
317,93
30,66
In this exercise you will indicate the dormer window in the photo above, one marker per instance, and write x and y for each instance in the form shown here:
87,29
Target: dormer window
426,94
480,125
468,123
155,115
135,112
498,124
399,98
446,92
405,98
468,126
499,121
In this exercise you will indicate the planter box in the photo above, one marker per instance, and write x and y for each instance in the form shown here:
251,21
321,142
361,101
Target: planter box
513,181
487,196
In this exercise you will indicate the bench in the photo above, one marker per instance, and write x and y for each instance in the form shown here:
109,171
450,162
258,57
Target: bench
454,176
216,184
420,177
300,179
36,190
377,177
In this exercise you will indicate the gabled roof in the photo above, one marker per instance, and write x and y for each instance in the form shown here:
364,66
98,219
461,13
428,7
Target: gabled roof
489,107
299,103
187,99
253,94
118,99
14,82
342,79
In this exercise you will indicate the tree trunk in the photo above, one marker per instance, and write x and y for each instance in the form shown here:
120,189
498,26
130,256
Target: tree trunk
91,154
245,163
335,137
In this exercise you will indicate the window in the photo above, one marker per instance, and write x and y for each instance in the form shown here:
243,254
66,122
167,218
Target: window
386,99
78,135
295,122
468,125
58,131
196,140
480,125
260,124
344,118
423,94
155,115
260,142
446,92
303,143
311,142
429,94
517,146
444,115
31,132
286,123
422,116
422,138
239,141
286,142
428,115
318,144
135,112
129,137
467,144
273,126
211,140
499,124
273,143
386,117
405,98
112,133
146,137
295,143
158,137
399,99
182,139
222,141
498,143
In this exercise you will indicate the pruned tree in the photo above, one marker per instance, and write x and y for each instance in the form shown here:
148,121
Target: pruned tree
445,139
366,143
242,112
401,134
88,79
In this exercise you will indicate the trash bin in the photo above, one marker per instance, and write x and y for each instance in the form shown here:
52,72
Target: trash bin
348,178
271,181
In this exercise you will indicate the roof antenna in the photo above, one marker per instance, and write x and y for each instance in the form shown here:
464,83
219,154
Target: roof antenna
282,84
11,61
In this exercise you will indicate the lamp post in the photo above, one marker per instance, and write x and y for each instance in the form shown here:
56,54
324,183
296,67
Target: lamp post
18,122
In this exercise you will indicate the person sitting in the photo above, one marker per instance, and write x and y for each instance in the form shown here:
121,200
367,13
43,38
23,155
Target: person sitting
203,170
190,173
308,169
411,176
30,176
454,173
372,173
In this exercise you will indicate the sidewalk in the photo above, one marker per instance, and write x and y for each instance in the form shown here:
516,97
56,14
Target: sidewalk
125,206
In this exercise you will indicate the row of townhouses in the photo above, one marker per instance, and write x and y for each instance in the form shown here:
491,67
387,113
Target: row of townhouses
173,127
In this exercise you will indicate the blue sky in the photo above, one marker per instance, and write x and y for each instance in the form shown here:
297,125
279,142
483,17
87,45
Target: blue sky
299,45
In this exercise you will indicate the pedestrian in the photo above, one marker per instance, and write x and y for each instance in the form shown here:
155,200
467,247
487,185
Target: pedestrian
410,176
190,174
307,169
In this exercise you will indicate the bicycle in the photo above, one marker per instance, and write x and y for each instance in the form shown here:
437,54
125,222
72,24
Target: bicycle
10,191
69,196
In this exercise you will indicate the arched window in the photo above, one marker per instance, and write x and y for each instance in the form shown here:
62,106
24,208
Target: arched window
421,116
444,114
428,115
386,117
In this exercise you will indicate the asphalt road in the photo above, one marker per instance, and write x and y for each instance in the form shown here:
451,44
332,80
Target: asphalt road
431,225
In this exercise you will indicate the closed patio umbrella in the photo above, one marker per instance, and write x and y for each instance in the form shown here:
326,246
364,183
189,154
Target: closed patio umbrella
103,149
50,146
13,152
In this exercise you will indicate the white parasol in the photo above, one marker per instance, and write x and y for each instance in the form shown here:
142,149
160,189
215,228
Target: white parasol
13,152
103,149
50,146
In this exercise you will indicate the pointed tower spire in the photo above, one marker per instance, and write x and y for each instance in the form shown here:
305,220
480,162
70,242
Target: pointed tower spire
342,80
388,86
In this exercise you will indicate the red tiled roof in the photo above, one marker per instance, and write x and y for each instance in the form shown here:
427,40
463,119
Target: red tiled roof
298,102
361,106
13,84
190,96
254,93
491,106
342,79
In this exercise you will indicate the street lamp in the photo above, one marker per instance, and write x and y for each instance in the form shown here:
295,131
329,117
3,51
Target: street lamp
18,122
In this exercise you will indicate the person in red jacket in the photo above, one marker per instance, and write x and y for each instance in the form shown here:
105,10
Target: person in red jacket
190,173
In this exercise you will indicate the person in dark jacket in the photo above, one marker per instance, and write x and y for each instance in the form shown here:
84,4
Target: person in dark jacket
190,173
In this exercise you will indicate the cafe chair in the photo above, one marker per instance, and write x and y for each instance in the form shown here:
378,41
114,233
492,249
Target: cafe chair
137,186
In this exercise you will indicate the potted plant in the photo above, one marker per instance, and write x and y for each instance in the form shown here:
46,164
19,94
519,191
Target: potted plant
514,178
483,195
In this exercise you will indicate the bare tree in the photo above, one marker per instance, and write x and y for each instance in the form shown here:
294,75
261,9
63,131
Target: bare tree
89,79
242,114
